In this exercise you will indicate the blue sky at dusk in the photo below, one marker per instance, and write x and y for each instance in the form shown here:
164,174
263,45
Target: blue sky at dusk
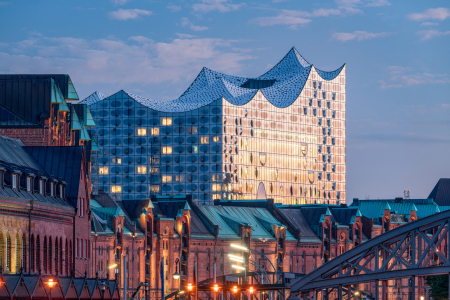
398,75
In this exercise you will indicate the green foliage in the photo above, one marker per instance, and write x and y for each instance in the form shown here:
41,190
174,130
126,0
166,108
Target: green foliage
439,286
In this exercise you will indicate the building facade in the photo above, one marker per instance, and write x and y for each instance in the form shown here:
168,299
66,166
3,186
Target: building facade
280,136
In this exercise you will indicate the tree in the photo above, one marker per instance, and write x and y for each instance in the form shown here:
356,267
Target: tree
439,286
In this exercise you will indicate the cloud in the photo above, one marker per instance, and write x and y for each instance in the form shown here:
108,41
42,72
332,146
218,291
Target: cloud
185,36
440,14
219,5
127,14
118,63
358,35
429,24
398,76
174,8
291,18
429,34
119,2
185,22
377,3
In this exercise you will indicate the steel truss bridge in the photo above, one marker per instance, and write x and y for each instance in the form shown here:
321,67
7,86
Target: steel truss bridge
414,250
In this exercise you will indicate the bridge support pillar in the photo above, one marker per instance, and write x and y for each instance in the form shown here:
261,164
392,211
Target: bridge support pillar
349,292
377,294
340,292
413,287
384,290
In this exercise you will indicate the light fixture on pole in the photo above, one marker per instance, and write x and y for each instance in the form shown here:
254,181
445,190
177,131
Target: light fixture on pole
50,284
239,247
176,275
238,267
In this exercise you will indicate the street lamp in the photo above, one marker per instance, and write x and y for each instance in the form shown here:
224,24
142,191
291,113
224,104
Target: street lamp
50,284
146,287
110,267
176,275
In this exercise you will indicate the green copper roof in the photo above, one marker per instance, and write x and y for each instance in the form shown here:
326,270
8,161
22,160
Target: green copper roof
89,119
94,146
74,120
71,92
58,98
84,136
186,206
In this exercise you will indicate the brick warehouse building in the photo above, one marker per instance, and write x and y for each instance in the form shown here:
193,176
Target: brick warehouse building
296,238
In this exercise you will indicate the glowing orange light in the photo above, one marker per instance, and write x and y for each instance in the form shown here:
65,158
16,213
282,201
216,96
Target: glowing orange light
235,289
251,290
437,250
216,288
189,287
50,283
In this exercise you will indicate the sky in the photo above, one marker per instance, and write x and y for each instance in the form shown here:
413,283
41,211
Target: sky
398,75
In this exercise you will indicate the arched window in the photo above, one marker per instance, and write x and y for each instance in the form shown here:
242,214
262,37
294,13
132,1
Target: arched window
70,257
56,252
2,247
45,254
18,252
32,254
66,251
8,252
50,255
38,252
24,253
119,235
60,253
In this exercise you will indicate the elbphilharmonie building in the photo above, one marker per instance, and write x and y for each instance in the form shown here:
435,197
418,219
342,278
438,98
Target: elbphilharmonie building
280,135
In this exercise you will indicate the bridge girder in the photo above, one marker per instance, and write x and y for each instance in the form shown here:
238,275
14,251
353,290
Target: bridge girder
418,248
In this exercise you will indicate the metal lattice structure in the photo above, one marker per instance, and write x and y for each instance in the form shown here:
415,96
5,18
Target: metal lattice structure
419,248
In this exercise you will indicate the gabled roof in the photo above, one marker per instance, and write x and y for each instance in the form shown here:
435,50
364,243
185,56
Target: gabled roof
315,215
345,215
63,162
298,220
281,86
441,192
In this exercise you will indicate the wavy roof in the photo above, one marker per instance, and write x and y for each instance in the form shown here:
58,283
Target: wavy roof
284,82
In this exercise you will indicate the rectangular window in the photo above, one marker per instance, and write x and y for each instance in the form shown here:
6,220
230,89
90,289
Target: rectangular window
28,184
204,139
216,187
141,131
179,178
141,169
61,191
116,189
154,189
192,130
166,121
117,160
52,189
103,170
215,177
41,187
216,138
14,181
167,179
216,196
153,170
167,150
154,131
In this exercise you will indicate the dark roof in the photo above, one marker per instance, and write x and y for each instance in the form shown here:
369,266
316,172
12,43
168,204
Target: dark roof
8,119
344,215
313,214
357,202
298,220
197,225
104,199
134,207
441,192
170,209
63,162
63,81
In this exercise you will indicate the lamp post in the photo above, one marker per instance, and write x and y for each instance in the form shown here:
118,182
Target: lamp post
50,284
235,290
146,287
176,275
110,267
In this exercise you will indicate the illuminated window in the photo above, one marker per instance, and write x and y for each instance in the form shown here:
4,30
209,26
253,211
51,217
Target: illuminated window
154,188
166,121
216,196
192,130
179,178
153,170
167,150
167,179
117,160
154,131
142,131
204,139
103,170
141,170
216,138
215,177
216,187
116,189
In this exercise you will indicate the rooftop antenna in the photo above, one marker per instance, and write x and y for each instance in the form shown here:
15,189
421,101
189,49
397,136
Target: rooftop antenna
406,194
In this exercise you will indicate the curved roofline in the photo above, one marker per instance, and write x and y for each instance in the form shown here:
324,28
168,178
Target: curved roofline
284,82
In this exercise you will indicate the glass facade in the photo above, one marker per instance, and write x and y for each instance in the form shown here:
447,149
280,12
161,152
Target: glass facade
224,150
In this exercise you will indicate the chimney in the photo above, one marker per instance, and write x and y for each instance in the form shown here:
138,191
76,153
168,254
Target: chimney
399,200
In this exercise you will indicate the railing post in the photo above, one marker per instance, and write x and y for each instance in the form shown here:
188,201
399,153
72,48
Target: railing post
377,283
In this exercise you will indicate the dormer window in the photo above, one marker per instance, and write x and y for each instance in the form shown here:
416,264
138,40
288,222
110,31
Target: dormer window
62,191
29,185
2,177
15,181
41,187
52,189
